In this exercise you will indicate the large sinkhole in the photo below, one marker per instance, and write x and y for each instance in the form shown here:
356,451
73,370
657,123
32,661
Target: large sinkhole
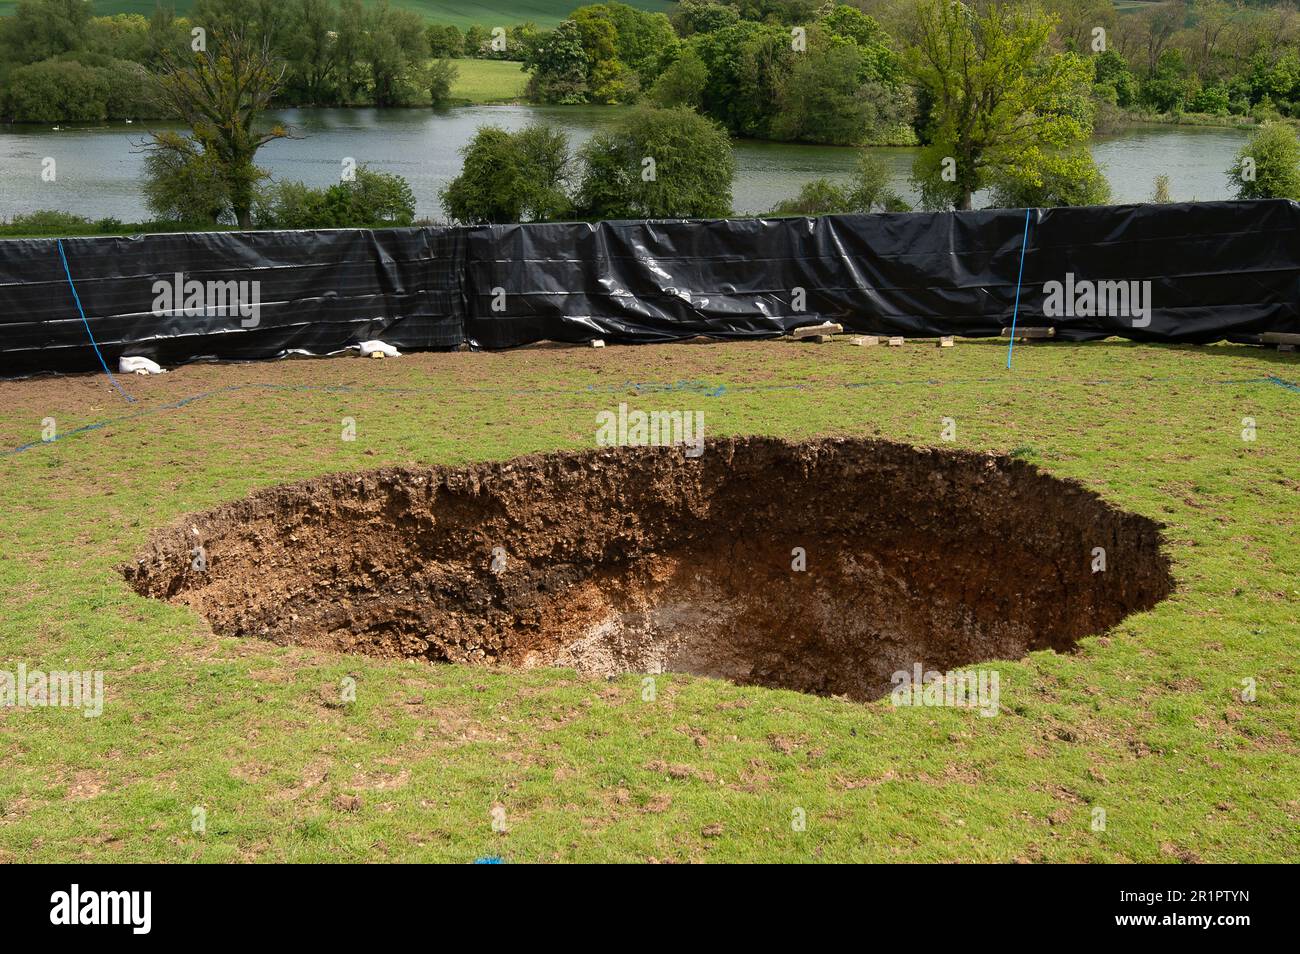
822,566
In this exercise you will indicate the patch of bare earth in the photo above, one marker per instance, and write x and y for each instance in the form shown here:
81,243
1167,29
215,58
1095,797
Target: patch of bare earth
645,560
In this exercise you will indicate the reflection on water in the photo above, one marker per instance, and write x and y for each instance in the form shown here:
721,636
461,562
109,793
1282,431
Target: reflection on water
98,167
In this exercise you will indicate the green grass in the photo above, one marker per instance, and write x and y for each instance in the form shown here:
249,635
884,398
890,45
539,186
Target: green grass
545,13
489,81
1146,722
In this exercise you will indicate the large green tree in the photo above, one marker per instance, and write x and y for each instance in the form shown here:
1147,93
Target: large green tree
1003,107
395,54
559,66
657,163
221,93
511,177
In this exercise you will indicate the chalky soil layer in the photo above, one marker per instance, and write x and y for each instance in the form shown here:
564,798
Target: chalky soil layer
822,566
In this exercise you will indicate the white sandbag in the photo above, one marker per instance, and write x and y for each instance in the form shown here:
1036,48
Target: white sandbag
137,365
369,348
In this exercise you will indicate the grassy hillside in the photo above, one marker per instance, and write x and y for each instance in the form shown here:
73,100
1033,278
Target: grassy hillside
492,13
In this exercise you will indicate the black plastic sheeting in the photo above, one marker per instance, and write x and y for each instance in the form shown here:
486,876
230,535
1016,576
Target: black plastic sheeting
1217,270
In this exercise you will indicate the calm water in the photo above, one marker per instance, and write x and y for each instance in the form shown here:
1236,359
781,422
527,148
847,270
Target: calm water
99,166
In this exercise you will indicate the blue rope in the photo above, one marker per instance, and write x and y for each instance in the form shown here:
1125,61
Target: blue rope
1016,312
89,334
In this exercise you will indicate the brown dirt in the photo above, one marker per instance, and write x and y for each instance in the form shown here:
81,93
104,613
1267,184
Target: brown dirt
644,560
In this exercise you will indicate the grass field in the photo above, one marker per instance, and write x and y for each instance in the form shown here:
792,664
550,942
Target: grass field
1147,722
544,13
489,81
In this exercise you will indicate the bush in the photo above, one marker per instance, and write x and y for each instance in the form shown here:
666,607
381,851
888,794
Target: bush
1210,99
819,197
1160,194
371,200
288,205
658,163
55,90
511,177
1275,153
871,188
88,87
869,191
48,220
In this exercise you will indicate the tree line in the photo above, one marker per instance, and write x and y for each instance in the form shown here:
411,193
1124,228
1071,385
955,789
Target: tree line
1003,98
60,62
1006,104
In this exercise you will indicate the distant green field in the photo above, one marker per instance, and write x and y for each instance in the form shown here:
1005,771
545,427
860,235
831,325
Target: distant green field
489,81
493,13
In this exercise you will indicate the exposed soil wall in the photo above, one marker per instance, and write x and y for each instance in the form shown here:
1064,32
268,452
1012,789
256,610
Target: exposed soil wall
642,559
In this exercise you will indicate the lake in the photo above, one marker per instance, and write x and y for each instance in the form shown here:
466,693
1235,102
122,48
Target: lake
99,166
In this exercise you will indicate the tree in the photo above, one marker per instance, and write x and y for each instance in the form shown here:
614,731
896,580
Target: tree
445,41
1168,88
823,99
1001,102
166,34
184,183
122,37
644,41
40,29
1268,167
850,23
476,39
394,52
559,66
511,177
220,93
682,84
442,77
703,16
746,63
311,51
657,163
257,20
1156,28
350,47
1077,19
1113,80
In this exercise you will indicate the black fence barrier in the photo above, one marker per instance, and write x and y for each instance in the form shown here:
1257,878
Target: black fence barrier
1194,272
